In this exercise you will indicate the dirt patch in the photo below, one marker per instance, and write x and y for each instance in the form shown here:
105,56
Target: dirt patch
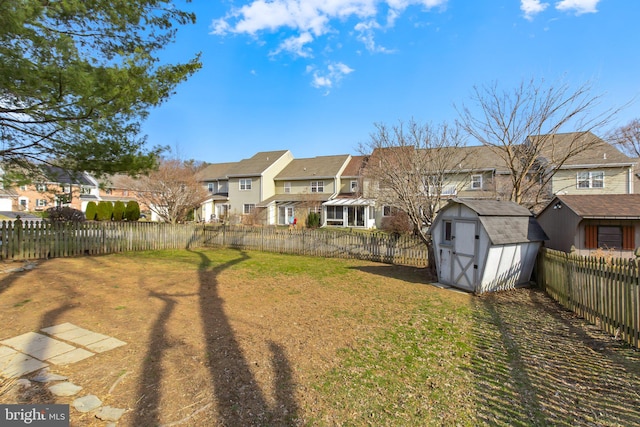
208,342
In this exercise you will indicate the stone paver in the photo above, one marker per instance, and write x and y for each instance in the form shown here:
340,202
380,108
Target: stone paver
44,376
107,413
87,403
14,364
37,345
105,345
84,337
75,355
65,389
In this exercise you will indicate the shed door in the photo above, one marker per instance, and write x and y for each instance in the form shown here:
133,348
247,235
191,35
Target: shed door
463,259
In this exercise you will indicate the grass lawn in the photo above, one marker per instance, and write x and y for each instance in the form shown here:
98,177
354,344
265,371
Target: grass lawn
225,337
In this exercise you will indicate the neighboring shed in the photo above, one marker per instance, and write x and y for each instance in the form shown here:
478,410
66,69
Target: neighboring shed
485,245
592,222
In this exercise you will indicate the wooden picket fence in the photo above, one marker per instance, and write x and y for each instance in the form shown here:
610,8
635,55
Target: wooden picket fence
605,292
24,240
379,247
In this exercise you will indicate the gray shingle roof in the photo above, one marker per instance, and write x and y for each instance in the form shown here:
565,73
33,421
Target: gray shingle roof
314,167
505,222
589,149
257,164
602,205
215,171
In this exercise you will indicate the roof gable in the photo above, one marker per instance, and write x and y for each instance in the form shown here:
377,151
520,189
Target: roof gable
257,164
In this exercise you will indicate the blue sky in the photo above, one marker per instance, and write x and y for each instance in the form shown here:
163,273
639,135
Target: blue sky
313,76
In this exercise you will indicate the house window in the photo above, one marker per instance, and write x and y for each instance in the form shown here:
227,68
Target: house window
66,189
24,203
248,208
245,184
41,187
317,186
40,203
447,231
388,211
23,188
476,182
335,212
287,187
211,187
108,191
85,190
125,192
354,186
590,179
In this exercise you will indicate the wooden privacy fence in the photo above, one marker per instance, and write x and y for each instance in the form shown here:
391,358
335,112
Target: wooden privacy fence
604,292
38,239
379,247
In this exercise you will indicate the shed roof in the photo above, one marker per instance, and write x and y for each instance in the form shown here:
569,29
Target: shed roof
489,207
505,222
601,206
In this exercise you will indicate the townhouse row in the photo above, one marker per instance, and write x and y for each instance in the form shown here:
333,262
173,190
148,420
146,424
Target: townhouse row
274,188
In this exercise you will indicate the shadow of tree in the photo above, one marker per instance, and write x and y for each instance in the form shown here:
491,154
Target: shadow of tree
535,364
401,272
240,400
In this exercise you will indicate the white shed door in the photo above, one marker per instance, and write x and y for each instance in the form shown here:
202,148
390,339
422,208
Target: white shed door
463,260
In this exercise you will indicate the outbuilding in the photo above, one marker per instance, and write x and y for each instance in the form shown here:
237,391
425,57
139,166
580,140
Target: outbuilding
483,245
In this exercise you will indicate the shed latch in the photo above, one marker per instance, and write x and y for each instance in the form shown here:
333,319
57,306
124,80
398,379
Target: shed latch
475,266
477,237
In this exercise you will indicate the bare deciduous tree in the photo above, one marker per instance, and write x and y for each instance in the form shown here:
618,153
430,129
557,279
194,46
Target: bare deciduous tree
171,191
413,168
627,137
520,125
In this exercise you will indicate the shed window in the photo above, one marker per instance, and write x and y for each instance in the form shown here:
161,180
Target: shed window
447,231
610,237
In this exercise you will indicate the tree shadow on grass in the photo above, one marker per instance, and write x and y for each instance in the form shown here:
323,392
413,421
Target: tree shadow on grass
401,272
240,400
534,366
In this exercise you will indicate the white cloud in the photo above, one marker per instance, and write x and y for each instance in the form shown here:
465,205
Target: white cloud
296,46
332,76
311,17
578,6
532,7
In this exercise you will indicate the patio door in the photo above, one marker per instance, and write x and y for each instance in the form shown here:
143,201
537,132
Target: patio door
355,216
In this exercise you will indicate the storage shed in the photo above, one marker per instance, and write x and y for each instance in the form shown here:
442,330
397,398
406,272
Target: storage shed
485,245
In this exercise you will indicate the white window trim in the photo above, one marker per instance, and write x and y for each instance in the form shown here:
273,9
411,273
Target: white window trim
246,183
316,186
353,185
248,208
473,182
41,203
589,179
287,187
41,188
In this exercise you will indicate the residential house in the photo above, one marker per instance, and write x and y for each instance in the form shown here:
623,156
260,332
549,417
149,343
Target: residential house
594,167
118,187
214,178
588,223
302,186
251,181
350,208
57,187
